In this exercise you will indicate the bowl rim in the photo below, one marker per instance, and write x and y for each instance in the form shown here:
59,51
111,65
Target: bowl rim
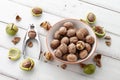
68,62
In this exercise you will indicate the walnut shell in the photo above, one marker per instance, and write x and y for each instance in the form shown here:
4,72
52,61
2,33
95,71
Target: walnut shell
63,48
89,39
71,32
80,35
83,54
58,53
68,25
55,43
62,30
65,40
80,45
72,48
73,40
88,47
71,57
57,35
32,34
84,31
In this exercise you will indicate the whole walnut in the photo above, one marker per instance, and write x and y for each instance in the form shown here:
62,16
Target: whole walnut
32,34
55,43
71,32
57,35
84,31
63,48
68,25
88,47
71,57
83,54
72,48
89,39
58,53
80,35
62,31
65,40
73,40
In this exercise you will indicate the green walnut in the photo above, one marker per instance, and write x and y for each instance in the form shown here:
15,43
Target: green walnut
11,29
89,69
99,31
91,18
14,54
37,11
27,64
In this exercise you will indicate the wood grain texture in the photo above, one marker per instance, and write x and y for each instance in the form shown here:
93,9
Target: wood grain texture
45,71
77,9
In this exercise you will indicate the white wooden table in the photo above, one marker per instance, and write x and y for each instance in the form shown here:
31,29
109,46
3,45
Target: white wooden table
108,16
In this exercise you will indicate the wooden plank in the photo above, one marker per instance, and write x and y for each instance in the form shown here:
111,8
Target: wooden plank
106,4
77,9
3,77
50,70
110,51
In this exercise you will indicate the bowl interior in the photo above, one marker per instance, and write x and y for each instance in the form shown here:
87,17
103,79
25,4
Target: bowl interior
77,24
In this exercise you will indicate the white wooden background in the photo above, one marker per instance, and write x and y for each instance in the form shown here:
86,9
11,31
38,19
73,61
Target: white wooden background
108,16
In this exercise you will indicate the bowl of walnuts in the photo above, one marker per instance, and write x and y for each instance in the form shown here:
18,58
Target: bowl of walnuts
71,41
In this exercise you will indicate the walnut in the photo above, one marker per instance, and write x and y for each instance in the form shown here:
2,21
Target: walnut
18,18
83,54
63,66
46,25
71,57
63,48
58,53
62,30
97,59
89,39
71,32
48,56
88,47
65,40
55,43
68,25
30,44
16,40
72,48
73,40
80,45
32,34
57,35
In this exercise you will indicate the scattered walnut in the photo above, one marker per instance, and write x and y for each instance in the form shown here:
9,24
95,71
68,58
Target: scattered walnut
46,25
48,56
30,44
16,40
63,66
107,38
108,43
97,59
82,65
18,18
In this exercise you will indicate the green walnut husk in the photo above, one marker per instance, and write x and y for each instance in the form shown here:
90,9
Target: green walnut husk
89,69
14,54
27,64
91,18
100,32
37,11
11,29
